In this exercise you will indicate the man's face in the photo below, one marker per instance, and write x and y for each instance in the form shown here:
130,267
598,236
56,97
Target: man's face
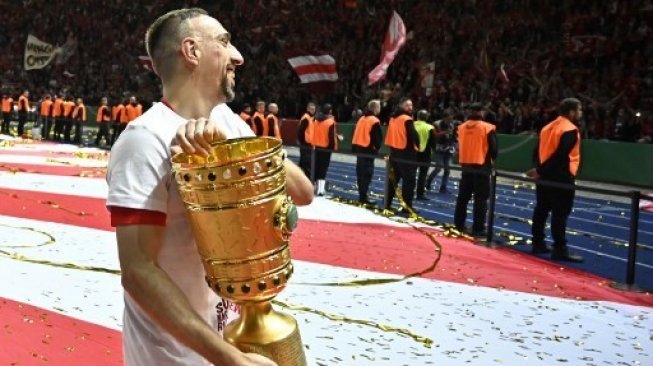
221,57
273,109
577,114
132,100
377,109
260,108
407,107
311,109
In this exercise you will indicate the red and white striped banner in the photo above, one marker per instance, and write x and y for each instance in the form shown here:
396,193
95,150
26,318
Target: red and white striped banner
395,38
314,68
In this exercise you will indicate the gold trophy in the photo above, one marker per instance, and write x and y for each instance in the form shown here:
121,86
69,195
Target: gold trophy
242,220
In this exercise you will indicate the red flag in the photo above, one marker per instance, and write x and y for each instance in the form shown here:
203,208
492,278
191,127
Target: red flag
146,62
395,38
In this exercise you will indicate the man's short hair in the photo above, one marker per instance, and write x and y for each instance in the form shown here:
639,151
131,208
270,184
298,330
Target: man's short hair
422,115
326,108
568,105
164,35
372,104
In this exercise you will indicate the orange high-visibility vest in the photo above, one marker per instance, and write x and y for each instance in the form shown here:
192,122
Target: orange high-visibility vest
117,111
363,129
68,108
79,113
308,133
396,136
260,116
321,136
103,114
550,139
472,142
275,125
46,108
23,104
56,107
131,112
7,105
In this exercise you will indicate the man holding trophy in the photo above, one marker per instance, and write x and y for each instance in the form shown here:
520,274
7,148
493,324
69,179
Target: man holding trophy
159,214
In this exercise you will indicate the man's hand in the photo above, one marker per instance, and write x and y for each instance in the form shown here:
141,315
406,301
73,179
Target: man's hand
533,174
253,359
196,136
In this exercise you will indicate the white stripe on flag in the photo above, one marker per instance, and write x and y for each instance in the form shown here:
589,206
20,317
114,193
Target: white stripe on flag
314,77
311,60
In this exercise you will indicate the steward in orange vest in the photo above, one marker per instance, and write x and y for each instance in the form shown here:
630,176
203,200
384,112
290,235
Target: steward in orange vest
304,138
403,141
557,157
246,115
7,111
23,109
68,107
258,119
133,110
45,114
477,142
57,115
79,117
367,140
118,115
324,137
103,120
271,127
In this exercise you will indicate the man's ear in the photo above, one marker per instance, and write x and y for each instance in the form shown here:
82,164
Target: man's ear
190,51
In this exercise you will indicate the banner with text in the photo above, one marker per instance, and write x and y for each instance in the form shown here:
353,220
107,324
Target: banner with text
38,54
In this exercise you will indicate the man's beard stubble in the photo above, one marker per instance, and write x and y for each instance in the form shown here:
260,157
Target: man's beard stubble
227,89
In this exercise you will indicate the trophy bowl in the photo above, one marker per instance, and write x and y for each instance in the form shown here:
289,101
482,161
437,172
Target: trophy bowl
242,220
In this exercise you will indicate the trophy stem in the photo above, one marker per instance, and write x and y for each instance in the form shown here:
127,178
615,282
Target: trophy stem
263,330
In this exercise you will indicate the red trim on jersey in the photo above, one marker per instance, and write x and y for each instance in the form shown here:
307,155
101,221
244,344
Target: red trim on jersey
121,216
167,104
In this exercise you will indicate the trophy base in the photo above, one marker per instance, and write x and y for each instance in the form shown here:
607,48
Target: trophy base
260,329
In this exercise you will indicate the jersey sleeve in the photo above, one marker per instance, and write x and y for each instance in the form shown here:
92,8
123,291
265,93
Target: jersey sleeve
139,173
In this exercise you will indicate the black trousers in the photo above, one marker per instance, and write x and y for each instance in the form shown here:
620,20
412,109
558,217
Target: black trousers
78,132
22,119
67,129
559,202
47,127
115,131
478,185
404,173
103,132
58,128
322,161
305,160
422,171
7,120
364,173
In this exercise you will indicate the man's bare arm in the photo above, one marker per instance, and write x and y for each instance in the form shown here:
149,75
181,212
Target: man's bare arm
159,297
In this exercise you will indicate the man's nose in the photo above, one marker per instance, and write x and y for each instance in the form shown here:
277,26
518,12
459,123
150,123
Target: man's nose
236,57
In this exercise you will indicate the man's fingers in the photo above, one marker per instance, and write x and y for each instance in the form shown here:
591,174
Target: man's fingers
198,137
183,141
176,149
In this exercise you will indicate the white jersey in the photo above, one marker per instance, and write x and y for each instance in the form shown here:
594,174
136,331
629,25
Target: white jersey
139,176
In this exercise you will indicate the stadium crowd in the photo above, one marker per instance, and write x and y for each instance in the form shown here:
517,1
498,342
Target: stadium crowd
598,51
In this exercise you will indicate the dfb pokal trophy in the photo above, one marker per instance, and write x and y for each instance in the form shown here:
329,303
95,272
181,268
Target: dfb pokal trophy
242,219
